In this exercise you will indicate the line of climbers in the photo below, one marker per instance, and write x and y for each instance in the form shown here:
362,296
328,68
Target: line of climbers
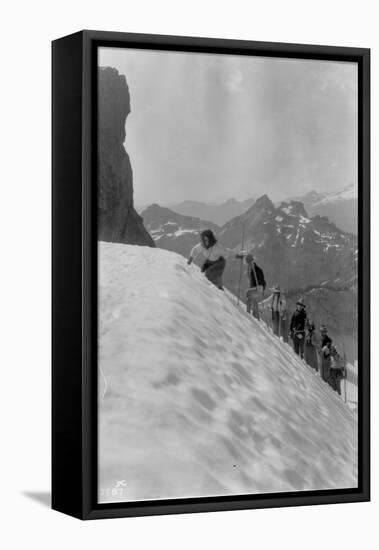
315,349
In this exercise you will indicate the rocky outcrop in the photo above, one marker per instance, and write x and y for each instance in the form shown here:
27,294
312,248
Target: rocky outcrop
117,219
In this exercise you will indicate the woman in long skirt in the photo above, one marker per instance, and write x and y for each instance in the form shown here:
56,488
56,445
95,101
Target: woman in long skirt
310,352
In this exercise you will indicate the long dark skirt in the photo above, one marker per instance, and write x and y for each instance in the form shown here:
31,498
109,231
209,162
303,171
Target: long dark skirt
310,355
283,329
298,344
214,271
325,373
336,375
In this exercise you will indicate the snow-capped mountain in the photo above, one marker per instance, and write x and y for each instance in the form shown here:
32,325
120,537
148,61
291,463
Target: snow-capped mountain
217,213
296,250
174,231
197,398
341,206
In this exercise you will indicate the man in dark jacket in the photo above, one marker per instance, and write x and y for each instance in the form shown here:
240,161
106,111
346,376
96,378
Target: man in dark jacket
257,283
297,328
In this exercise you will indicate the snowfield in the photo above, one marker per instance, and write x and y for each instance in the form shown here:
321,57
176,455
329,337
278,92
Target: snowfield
196,398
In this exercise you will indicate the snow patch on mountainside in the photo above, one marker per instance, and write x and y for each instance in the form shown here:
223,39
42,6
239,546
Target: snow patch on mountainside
196,398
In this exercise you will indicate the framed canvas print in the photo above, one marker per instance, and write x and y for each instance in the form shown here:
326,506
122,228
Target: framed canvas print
210,275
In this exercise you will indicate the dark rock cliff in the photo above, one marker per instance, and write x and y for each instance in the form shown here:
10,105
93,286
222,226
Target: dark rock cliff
117,219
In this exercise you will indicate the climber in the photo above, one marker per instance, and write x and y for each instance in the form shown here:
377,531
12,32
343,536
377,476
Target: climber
320,342
276,303
297,328
257,284
337,370
325,338
326,360
310,352
214,255
283,327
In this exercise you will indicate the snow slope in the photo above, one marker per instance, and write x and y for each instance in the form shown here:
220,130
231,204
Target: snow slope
196,398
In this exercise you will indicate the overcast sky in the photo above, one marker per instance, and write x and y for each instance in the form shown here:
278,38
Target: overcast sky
211,127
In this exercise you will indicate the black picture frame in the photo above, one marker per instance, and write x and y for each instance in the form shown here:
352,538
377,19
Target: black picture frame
74,273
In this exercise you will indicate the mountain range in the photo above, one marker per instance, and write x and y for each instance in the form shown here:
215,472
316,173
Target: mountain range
216,213
341,207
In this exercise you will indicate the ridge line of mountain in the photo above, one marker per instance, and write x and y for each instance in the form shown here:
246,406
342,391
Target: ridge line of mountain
263,200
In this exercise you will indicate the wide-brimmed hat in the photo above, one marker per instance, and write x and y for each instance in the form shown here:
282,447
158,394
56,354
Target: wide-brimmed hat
300,302
275,288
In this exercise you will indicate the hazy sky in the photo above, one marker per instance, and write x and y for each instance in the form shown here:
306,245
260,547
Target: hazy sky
211,127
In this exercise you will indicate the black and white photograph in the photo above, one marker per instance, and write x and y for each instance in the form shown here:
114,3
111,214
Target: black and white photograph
189,227
227,275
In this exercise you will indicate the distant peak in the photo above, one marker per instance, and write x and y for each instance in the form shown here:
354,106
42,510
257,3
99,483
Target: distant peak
264,202
154,209
229,202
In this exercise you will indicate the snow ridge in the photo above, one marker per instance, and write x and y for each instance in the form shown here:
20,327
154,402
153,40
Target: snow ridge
201,400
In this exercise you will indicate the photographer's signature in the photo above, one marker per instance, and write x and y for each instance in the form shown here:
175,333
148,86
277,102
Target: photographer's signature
118,490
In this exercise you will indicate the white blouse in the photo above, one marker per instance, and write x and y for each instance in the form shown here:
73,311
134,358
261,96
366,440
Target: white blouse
213,253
